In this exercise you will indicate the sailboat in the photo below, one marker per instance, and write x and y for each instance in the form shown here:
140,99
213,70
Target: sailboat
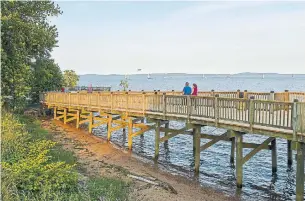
203,76
148,76
263,76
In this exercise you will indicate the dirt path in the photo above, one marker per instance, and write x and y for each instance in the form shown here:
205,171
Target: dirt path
101,158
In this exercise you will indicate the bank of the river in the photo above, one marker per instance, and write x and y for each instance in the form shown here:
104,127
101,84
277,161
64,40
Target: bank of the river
34,167
100,158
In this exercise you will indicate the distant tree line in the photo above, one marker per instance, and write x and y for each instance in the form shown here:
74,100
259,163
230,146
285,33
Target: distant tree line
27,40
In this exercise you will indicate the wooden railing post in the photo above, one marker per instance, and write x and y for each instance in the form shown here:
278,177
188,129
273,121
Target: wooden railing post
164,104
155,101
143,104
212,93
69,99
98,101
245,94
238,93
294,119
216,110
78,102
286,96
111,102
126,109
271,96
251,112
88,98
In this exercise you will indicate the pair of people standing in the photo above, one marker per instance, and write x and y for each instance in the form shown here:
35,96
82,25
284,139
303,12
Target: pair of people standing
187,90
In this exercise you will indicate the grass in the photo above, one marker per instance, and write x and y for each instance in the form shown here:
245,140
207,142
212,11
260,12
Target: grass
35,168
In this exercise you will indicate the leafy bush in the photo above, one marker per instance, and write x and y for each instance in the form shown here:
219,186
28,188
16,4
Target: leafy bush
37,169
27,164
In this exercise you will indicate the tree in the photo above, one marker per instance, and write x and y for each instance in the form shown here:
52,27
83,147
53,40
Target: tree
124,84
47,76
26,35
70,78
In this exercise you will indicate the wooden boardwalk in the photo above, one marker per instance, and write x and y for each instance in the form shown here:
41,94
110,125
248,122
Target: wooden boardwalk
246,115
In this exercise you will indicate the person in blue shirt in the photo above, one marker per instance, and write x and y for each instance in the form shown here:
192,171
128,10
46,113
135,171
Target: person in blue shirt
187,90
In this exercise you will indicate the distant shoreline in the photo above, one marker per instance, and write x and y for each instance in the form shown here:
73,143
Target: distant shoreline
198,74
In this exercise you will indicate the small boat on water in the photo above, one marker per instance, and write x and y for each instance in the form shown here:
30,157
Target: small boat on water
263,76
148,76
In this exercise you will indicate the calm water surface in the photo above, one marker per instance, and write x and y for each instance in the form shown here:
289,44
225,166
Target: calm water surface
176,156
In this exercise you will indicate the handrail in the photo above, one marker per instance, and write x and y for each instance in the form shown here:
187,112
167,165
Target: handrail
250,112
278,96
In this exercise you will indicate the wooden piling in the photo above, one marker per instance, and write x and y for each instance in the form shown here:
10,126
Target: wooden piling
109,127
65,116
77,118
157,139
232,150
130,130
300,171
197,131
239,160
166,125
274,155
90,122
289,153
194,140
55,112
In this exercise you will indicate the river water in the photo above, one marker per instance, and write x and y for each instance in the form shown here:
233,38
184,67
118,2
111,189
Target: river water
176,156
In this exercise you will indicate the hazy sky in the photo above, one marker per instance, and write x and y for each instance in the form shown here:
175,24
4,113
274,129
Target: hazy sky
103,37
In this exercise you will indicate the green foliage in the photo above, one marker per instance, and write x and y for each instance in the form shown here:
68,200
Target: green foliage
26,36
26,162
111,189
37,169
70,78
47,76
124,84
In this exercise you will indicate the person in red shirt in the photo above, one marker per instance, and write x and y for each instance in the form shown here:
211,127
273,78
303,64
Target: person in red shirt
194,93
195,90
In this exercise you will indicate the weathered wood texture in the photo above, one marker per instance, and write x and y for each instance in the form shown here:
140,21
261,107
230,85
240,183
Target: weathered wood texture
274,116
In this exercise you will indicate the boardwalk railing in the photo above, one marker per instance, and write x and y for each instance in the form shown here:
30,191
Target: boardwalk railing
289,116
277,96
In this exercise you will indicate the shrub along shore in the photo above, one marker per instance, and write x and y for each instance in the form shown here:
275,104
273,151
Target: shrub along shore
34,167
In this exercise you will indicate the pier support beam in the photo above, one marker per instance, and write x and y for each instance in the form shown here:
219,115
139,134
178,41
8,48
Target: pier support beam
55,112
166,125
194,140
65,116
109,126
90,118
142,122
130,131
239,160
289,153
300,171
197,131
77,118
232,150
157,139
274,155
